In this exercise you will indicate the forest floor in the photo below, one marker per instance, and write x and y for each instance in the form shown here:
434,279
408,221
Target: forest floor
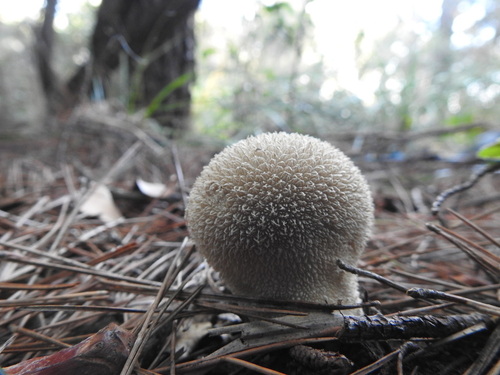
93,237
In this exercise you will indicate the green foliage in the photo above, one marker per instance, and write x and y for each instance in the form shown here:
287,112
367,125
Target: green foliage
490,152
270,76
459,119
260,81
207,52
278,7
156,103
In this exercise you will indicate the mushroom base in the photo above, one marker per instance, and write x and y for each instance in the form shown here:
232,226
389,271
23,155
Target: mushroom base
341,289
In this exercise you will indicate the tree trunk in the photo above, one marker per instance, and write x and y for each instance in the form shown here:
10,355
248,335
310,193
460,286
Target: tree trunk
153,41
44,42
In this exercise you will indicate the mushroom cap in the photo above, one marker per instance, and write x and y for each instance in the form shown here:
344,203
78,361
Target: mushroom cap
273,213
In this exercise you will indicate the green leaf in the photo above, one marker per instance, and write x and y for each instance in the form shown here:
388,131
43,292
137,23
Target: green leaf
278,6
490,152
207,52
460,119
166,91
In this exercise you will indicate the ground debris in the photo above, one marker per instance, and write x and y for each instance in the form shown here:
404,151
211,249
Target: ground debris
431,290
103,353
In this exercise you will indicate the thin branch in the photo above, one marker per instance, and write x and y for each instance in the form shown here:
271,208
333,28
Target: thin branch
474,178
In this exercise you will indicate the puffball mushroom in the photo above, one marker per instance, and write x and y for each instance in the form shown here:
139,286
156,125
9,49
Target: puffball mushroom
273,213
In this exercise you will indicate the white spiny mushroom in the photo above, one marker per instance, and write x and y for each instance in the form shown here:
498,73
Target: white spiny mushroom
273,213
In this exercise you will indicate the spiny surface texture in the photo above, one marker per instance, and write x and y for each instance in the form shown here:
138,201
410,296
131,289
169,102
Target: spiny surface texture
273,213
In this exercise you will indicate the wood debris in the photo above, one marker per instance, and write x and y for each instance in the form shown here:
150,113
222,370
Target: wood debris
432,287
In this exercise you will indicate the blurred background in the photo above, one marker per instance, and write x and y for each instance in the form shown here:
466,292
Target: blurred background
316,66
385,81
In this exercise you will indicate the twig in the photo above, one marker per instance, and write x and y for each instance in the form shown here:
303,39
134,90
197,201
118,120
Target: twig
143,334
379,327
19,286
38,336
380,362
45,254
258,337
371,275
474,178
490,263
180,174
88,271
489,355
251,366
434,294
476,228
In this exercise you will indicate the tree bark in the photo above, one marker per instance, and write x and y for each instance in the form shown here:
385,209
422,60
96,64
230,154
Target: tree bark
154,40
44,42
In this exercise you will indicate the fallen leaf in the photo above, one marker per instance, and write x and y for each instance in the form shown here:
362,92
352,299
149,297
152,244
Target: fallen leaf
103,353
101,204
154,189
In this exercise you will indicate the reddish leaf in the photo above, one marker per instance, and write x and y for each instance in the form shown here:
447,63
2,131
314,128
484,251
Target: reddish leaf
103,353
